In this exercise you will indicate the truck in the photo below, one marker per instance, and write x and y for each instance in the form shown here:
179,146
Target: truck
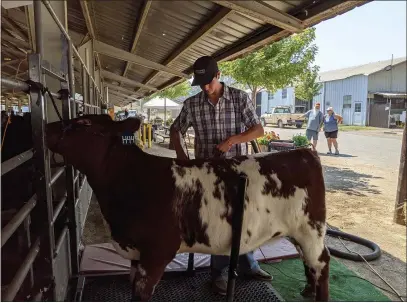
283,115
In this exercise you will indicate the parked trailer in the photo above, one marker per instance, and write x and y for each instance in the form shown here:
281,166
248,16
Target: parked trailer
53,236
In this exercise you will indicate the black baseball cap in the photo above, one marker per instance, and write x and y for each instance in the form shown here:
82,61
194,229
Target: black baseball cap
205,69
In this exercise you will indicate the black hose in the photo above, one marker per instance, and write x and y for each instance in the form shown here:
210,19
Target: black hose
350,256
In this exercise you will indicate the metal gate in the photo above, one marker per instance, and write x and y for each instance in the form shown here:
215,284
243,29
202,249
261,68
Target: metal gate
53,237
378,116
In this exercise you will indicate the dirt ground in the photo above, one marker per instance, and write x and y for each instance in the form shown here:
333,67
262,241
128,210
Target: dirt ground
360,200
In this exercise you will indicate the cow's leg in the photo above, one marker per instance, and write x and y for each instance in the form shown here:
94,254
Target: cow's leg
134,275
322,291
309,290
147,273
316,259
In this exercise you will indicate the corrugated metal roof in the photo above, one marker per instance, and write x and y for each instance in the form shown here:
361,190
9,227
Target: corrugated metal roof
170,27
365,69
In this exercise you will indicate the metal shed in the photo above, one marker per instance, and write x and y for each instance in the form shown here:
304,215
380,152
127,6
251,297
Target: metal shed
110,52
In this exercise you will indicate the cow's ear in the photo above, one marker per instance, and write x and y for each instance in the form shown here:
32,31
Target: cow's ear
128,125
84,121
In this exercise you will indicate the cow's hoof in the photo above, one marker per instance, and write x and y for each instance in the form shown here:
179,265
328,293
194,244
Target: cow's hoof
308,292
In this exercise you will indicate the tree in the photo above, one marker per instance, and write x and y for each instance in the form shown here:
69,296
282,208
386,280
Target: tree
174,92
276,65
307,86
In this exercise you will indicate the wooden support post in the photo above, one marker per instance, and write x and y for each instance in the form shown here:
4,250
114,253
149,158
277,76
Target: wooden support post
401,198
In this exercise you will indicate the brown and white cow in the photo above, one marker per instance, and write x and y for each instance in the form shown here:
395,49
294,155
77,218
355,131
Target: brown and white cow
157,207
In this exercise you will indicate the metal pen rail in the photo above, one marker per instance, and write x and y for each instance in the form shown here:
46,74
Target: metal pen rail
18,85
16,221
46,216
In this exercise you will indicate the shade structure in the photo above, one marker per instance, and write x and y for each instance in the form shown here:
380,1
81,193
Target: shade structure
160,103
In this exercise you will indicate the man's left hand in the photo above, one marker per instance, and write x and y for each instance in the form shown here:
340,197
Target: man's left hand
226,145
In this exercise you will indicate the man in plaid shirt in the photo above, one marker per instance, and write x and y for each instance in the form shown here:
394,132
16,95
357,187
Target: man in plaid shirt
224,119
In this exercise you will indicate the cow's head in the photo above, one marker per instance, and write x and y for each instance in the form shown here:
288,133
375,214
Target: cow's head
87,139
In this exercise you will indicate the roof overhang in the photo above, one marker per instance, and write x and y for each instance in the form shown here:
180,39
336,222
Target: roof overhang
388,95
146,46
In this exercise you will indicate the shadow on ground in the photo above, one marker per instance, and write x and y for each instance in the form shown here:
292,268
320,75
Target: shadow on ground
391,268
337,156
349,181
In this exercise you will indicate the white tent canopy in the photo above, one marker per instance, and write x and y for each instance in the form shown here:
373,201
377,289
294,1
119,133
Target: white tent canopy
160,103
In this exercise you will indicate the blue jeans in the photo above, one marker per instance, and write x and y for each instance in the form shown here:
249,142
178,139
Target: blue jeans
246,264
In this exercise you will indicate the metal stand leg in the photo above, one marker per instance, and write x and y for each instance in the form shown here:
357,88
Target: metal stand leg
190,270
237,220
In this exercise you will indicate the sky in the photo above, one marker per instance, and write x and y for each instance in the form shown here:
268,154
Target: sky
372,32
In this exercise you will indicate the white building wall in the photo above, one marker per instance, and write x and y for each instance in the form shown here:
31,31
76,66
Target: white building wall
319,98
389,81
333,92
277,100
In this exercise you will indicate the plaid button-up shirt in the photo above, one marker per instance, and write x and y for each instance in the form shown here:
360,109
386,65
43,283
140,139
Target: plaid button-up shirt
233,114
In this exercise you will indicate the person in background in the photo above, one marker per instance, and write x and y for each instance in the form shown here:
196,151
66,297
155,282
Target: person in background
331,121
224,119
315,119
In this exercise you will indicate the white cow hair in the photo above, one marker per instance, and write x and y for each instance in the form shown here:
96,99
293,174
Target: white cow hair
286,214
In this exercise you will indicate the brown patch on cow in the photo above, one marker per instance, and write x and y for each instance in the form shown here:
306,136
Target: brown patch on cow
192,229
267,210
181,171
302,169
257,209
249,233
276,234
324,256
208,167
216,193
322,289
206,201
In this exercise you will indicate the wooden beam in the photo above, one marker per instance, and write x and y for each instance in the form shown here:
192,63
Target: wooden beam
127,81
11,62
117,98
118,53
16,42
197,36
401,198
142,18
89,26
29,16
119,94
121,89
321,12
14,27
264,12
12,52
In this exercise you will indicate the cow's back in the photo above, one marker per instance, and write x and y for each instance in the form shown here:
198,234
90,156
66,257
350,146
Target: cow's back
277,190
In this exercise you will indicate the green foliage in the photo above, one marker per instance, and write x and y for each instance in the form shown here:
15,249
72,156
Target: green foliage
179,90
267,138
276,65
307,86
300,140
169,122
